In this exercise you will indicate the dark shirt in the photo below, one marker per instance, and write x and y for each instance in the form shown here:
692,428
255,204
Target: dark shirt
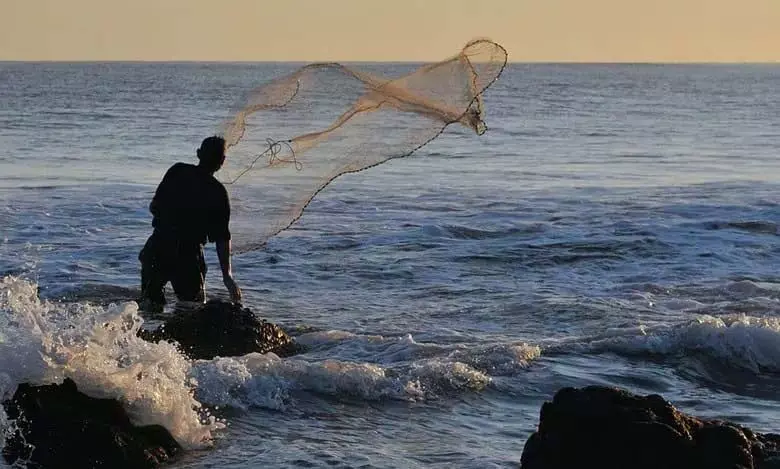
190,205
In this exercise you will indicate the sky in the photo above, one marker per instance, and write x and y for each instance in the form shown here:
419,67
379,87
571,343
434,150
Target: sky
390,30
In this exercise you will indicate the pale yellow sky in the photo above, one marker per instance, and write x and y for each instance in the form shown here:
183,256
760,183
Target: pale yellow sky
315,30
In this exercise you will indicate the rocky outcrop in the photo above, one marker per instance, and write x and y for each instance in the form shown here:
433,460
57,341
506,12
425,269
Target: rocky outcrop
611,428
58,426
224,330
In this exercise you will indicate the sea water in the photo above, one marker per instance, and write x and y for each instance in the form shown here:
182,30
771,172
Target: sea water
617,225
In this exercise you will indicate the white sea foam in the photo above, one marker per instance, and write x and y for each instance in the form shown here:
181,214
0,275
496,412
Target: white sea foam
494,359
365,367
44,343
738,340
268,381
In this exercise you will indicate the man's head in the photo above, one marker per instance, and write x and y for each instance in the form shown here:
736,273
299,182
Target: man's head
212,153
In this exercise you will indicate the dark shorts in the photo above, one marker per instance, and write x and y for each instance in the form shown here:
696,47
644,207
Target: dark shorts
165,259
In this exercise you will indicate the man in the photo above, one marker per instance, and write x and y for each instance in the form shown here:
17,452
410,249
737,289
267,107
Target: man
190,208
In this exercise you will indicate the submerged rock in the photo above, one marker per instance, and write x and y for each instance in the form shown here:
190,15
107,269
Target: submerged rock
58,426
224,330
611,428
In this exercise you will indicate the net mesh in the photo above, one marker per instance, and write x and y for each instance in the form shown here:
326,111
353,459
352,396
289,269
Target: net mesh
294,135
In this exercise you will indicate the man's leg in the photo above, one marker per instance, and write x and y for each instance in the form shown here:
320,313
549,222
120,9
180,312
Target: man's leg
153,278
189,277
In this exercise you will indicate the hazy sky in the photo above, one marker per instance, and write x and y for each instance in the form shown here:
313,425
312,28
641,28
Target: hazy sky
306,30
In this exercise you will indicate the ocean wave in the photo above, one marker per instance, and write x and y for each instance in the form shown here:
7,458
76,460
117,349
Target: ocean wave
536,255
268,381
461,232
751,226
44,343
368,367
736,340
493,359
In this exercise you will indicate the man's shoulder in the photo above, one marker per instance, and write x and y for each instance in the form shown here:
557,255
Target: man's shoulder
181,165
178,168
218,186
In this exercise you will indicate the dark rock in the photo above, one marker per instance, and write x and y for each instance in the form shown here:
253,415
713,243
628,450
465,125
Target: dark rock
58,426
224,330
611,428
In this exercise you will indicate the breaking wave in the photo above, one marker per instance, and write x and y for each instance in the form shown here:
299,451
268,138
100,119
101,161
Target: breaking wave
44,342
736,340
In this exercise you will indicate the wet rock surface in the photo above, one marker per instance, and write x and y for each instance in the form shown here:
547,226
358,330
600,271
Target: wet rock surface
58,426
222,329
612,428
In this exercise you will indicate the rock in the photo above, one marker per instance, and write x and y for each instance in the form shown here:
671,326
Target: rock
58,426
611,428
224,330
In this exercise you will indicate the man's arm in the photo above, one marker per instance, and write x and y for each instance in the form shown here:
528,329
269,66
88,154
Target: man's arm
220,234
223,253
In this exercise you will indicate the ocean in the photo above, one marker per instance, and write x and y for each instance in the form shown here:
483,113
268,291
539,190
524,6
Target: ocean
616,225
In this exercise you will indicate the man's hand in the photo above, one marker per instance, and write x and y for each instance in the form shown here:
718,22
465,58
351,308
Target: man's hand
235,292
223,252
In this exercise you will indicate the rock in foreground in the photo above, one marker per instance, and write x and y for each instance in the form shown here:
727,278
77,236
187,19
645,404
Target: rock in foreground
61,427
610,428
224,330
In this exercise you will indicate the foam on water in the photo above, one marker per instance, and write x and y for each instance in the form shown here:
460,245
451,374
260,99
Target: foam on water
492,359
738,340
366,367
44,343
268,381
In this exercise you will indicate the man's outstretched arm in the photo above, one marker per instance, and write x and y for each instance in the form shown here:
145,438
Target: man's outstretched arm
223,253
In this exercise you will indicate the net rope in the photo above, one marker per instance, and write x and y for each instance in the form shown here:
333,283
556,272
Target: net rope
292,136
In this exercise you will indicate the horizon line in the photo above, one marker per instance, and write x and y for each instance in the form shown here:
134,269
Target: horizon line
510,62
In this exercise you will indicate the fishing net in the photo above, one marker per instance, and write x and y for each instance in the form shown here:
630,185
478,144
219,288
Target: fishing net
294,135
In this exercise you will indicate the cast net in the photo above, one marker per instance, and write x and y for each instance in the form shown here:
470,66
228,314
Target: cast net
291,137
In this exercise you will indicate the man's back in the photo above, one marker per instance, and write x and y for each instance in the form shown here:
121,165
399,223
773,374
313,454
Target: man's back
191,205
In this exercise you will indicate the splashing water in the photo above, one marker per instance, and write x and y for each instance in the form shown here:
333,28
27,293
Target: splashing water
292,137
44,343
